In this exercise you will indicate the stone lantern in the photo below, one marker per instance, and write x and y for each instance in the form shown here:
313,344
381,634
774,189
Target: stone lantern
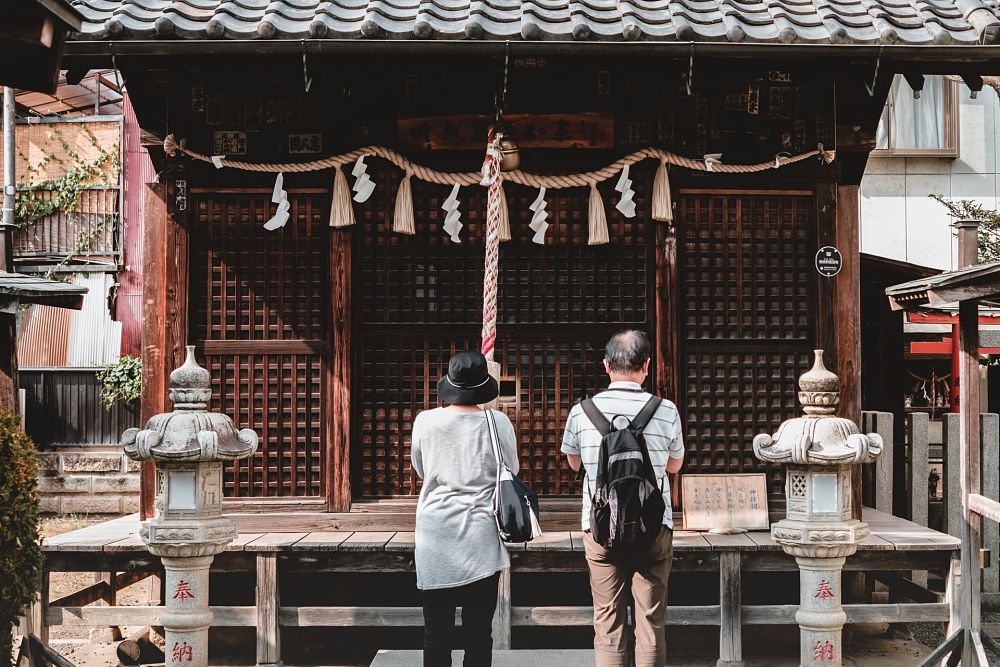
188,529
819,450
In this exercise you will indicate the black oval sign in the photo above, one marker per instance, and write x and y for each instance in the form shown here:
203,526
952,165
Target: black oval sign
829,261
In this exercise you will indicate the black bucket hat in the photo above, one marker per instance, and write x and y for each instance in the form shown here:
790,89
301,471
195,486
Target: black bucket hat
468,381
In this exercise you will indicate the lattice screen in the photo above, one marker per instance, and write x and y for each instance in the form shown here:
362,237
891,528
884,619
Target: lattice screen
259,306
745,272
421,299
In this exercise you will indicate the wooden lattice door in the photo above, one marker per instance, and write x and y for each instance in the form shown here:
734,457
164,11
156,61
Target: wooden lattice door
421,298
259,313
747,330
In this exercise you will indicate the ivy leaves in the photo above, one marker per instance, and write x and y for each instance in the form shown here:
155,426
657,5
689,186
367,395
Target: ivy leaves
121,381
32,203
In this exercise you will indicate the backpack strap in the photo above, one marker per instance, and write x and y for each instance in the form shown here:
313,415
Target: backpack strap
645,415
595,416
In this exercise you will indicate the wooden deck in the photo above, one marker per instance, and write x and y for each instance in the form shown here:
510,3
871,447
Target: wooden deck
895,549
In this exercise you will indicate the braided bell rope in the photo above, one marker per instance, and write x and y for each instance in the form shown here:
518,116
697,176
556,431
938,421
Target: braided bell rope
172,147
491,171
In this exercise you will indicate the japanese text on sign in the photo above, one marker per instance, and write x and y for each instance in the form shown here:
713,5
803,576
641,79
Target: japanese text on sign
725,501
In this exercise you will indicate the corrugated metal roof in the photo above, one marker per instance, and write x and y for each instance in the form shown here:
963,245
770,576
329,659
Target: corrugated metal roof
43,337
34,289
781,21
95,339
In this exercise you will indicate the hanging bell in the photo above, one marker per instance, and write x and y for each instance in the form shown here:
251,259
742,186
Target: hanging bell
510,154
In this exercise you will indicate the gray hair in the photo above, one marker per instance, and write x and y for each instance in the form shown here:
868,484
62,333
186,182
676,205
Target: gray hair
627,351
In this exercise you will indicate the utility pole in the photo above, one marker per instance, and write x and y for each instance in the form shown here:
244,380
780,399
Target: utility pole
9,181
8,321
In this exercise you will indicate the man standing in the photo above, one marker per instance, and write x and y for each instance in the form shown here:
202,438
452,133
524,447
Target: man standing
641,570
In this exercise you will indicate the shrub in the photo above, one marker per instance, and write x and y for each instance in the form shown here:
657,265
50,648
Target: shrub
121,381
20,547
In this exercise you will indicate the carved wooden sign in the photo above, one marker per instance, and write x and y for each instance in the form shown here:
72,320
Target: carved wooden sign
573,130
725,502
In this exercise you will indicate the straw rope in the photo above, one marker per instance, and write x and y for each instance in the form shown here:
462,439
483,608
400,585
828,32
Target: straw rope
173,147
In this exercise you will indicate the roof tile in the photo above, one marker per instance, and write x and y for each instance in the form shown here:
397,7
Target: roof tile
804,21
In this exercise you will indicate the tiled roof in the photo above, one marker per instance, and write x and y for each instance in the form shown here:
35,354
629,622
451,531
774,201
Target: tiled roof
781,21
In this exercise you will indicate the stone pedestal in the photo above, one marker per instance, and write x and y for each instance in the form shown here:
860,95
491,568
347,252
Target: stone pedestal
820,616
187,617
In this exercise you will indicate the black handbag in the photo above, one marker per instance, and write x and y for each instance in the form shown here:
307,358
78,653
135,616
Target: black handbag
515,505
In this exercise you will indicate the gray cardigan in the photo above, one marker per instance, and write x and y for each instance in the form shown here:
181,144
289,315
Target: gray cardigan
456,539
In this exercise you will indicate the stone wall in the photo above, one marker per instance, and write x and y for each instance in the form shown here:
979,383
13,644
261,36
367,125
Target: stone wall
87,481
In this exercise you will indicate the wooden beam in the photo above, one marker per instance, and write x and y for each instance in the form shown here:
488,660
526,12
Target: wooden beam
989,435
501,617
338,412
154,326
918,435
731,603
227,617
847,316
968,335
984,506
950,646
667,330
268,629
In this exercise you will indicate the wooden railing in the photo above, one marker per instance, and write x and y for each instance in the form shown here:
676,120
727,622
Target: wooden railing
93,229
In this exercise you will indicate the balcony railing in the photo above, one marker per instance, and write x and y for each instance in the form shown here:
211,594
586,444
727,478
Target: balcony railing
91,230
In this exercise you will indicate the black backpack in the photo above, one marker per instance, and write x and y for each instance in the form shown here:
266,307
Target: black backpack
627,506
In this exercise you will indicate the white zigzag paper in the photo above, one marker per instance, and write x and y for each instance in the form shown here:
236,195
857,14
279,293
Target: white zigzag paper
279,197
364,186
452,223
538,223
626,204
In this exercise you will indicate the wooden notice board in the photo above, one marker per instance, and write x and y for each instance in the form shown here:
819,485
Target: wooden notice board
725,502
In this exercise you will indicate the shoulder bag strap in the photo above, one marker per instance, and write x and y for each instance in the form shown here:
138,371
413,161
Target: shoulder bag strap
595,416
646,415
495,440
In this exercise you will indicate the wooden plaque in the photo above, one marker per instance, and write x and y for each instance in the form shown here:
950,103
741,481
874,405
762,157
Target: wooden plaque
564,130
725,502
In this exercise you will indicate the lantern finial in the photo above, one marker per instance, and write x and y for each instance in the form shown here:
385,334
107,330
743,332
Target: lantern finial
819,389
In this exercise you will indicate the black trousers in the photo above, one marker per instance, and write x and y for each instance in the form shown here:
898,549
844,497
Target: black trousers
478,601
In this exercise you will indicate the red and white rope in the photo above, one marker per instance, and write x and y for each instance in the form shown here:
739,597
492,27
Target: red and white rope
494,180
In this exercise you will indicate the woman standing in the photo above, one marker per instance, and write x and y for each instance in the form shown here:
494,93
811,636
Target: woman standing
458,551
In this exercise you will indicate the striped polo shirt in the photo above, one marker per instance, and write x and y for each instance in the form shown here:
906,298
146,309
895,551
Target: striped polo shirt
662,436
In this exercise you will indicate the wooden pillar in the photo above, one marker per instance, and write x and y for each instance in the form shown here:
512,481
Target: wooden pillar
668,335
164,310
731,608
968,324
501,617
989,430
838,322
339,374
917,427
268,603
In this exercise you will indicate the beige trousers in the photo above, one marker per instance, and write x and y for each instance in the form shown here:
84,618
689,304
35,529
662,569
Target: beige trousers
612,578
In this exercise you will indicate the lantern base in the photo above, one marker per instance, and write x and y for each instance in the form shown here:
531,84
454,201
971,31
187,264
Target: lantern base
813,539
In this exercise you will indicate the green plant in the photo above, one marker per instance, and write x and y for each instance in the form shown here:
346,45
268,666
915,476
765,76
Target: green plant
121,381
20,547
989,224
36,201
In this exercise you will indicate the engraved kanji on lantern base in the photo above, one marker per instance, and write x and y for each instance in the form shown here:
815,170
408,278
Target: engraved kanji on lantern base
819,450
188,529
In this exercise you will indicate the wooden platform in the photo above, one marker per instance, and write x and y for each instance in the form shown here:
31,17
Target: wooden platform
894,550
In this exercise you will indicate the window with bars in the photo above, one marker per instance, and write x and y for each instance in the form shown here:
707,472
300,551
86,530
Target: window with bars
746,280
259,302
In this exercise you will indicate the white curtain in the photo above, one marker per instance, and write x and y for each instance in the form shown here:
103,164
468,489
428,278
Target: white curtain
916,123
